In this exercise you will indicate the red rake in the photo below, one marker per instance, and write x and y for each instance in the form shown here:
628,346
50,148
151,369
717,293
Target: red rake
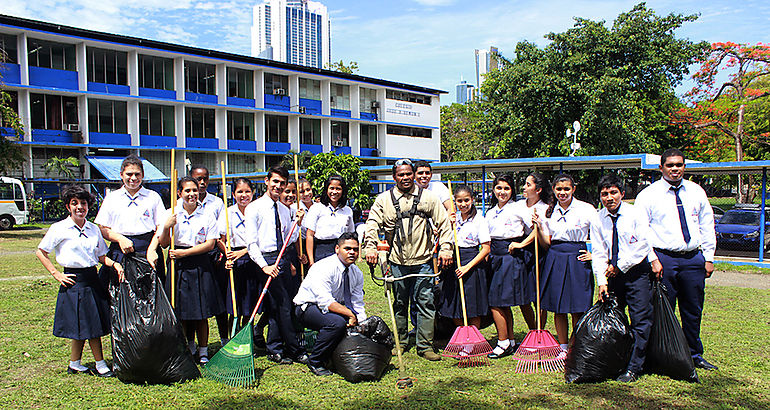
539,351
467,343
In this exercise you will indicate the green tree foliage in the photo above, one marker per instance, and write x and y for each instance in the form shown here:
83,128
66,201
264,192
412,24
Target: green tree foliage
349,167
11,156
462,136
340,66
617,81
62,167
303,160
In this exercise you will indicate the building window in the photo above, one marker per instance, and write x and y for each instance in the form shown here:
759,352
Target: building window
310,131
51,112
206,159
199,122
340,97
368,136
409,131
41,155
200,78
161,160
240,126
106,66
107,116
8,49
156,120
156,72
340,134
310,89
276,84
48,54
277,128
366,96
408,97
240,83
241,163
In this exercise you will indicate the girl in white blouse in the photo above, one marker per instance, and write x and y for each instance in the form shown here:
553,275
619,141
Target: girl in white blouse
328,219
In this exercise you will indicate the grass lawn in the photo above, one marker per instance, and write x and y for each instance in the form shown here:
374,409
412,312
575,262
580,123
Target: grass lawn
33,364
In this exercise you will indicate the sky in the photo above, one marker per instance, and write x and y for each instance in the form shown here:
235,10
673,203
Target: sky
422,42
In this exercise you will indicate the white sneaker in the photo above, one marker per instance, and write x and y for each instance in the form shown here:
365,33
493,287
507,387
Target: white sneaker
203,360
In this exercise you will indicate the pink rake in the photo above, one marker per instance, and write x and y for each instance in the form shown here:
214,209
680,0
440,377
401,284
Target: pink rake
539,351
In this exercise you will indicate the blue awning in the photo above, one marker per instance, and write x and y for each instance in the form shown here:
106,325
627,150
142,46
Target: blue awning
110,168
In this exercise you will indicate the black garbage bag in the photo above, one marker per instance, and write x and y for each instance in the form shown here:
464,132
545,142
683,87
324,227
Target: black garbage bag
148,345
602,344
365,352
668,353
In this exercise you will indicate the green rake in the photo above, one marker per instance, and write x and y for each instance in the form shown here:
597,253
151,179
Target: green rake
234,362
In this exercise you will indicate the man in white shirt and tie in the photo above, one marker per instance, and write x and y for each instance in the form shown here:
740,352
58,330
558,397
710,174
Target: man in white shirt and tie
682,234
331,299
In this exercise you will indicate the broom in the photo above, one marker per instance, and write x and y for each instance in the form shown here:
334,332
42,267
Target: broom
227,233
467,343
299,242
539,350
172,264
233,364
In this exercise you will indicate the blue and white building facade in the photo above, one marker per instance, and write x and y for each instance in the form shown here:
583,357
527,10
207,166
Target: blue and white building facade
292,31
90,94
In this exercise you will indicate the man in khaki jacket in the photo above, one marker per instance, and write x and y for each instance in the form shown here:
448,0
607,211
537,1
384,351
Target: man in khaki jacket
403,213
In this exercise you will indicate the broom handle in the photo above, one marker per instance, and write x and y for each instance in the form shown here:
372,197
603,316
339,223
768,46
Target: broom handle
227,236
172,274
270,279
537,275
457,255
299,242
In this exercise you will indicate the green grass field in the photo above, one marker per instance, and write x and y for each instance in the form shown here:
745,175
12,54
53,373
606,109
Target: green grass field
33,364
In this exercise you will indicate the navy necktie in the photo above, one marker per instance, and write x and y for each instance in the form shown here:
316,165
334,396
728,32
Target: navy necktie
615,245
346,291
82,232
278,233
682,215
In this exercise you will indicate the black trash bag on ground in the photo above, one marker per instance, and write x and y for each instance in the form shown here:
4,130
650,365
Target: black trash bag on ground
148,345
602,344
668,353
365,352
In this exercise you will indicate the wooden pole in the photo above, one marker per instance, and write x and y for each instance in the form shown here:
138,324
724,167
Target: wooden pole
227,246
172,270
457,255
300,241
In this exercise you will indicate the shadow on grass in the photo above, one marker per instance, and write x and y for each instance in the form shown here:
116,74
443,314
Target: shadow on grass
258,400
32,234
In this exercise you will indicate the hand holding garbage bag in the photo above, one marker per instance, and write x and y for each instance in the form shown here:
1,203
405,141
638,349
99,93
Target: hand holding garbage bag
602,343
148,345
365,352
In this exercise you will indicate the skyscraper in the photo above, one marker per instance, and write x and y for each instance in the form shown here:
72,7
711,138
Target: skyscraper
464,92
292,31
486,61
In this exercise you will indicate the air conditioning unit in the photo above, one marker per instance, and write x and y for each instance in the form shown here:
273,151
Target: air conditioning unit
337,142
302,110
72,127
279,91
375,104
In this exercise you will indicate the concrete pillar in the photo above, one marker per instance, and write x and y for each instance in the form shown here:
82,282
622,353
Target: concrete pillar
259,88
326,93
355,105
221,83
326,131
82,66
382,139
133,72
294,132
21,45
179,125
133,121
293,96
25,113
354,131
179,79
83,117
220,127
259,131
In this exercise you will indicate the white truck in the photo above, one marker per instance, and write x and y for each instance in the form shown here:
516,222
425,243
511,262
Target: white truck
13,203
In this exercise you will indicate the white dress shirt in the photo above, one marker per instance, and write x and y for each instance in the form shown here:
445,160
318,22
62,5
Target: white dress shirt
129,215
195,228
659,204
237,220
74,247
633,240
527,212
214,204
328,222
571,224
323,286
260,227
472,232
297,230
500,222
440,190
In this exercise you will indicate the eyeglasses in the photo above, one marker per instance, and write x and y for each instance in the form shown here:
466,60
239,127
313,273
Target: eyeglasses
403,161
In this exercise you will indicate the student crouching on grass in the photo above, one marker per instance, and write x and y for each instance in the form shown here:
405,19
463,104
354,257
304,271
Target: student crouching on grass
197,294
82,305
620,239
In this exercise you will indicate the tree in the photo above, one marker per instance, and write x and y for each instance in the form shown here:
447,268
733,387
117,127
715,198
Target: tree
341,67
11,156
719,109
462,138
303,160
61,166
349,167
617,81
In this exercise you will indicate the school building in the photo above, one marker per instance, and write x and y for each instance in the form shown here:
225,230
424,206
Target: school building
97,96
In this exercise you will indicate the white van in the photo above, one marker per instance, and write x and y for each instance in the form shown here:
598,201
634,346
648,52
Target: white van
13,203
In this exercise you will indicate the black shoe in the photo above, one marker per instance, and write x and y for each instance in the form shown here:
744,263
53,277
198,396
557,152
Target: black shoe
303,358
277,358
319,370
701,363
87,371
627,377
108,373
507,352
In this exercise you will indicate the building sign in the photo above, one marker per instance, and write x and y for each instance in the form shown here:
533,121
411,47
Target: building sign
403,112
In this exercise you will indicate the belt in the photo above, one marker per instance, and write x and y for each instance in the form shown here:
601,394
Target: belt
237,248
325,241
678,254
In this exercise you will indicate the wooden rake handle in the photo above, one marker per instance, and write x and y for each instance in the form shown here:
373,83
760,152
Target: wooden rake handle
457,255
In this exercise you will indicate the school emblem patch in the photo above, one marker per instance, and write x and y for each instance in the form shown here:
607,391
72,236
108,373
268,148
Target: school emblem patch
633,239
146,213
202,232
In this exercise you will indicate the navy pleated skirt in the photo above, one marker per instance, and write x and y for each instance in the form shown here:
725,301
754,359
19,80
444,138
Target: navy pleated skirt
529,261
323,248
82,309
566,284
141,243
509,284
475,286
198,296
221,275
247,286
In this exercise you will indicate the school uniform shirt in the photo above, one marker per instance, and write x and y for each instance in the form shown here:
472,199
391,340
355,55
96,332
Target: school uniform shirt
329,222
500,222
75,247
527,212
472,232
129,215
572,224
237,221
658,201
440,190
301,205
214,204
260,227
633,240
297,230
193,229
324,285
